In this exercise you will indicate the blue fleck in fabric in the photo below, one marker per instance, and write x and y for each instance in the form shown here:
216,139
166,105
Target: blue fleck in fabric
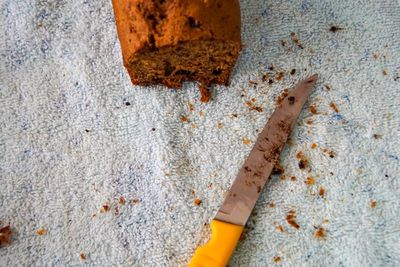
111,171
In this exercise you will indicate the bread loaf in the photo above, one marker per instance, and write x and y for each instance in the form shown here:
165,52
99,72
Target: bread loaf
171,41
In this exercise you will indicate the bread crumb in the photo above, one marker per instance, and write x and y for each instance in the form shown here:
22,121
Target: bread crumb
280,228
375,55
193,125
325,221
313,109
303,162
246,141
293,178
327,87
251,106
321,192
265,77
278,169
279,75
310,181
5,235
82,256
205,93
385,72
377,136
314,145
291,219
335,29
41,231
121,200
253,82
293,72
219,125
271,204
281,97
373,204
191,107
105,208
197,202
320,233
331,154
134,201
184,119
277,259
334,107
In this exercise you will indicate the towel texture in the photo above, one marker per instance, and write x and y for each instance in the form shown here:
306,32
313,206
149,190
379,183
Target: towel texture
111,171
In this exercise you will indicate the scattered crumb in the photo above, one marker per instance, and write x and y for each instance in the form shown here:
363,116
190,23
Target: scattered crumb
127,103
191,106
331,173
184,119
134,201
314,145
271,67
320,233
105,208
325,221
334,107
197,202
293,178
271,204
153,129
205,93
265,77
278,169
303,162
277,259
82,256
280,228
219,125
335,29
313,109
377,136
234,115
293,72
5,235
385,72
296,40
282,42
253,82
279,75
281,97
251,106
310,180
331,154
309,122
291,219
201,113
246,141
210,185
324,150
321,192
41,231
373,204
192,192
327,87
87,130
270,81
375,55
193,125
282,177
121,200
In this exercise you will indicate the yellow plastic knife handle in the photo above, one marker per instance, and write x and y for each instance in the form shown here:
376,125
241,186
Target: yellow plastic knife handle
218,250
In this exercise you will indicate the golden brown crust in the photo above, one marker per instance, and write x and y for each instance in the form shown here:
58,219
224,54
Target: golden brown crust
149,25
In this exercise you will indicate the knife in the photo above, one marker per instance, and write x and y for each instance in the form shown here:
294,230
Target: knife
232,216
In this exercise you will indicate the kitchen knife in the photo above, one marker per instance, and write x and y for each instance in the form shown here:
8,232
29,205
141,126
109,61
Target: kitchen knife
229,222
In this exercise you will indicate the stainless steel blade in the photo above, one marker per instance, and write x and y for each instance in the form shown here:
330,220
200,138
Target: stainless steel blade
255,171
